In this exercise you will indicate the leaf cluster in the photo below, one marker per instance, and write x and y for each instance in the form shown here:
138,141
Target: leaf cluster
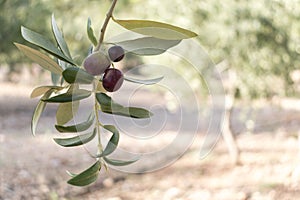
69,77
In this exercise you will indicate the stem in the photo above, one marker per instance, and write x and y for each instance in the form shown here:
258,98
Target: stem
97,125
96,106
104,26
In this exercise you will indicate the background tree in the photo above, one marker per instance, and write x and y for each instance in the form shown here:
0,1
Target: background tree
259,40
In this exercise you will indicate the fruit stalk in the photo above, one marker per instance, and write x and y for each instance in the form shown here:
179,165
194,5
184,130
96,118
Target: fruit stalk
104,26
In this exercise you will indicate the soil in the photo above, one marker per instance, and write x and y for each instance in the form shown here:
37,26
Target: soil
34,167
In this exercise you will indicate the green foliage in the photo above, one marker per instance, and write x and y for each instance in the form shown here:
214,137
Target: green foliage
77,127
69,94
87,176
90,33
40,58
259,40
151,46
109,106
66,111
156,29
43,42
112,143
59,39
77,140
77,75
115,162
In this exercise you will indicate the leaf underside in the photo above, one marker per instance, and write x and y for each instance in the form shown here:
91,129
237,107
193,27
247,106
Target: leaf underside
147,46
43,60
66,112
38,112
77,140
77,127
115,162
156,29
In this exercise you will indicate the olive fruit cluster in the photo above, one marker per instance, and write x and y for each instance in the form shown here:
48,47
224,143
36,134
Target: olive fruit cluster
98,63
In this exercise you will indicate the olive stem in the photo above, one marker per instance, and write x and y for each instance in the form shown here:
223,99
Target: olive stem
104,26
100,148
101,38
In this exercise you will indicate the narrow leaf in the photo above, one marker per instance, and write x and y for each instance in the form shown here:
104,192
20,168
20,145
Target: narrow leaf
113,142
43,60
64,64
59,38
135,112
42,90
119,162
156,29
44,43
77,75
109,106
90,33
66,112
55,78
86,177
36,115
78,127
69,96
71,174
145,82
38,112
77,140
148,46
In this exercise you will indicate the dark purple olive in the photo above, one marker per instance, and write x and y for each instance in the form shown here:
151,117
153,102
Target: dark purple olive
112,79
96,63
116,53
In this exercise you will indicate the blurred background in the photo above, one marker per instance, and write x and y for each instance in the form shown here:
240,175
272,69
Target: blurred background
255,46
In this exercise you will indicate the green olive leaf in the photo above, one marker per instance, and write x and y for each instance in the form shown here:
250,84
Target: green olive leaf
144,82
115,162
86,177
147,46
113,142
77,75
43,60
78,127
77,140
66,112
44,43
59,38
90,33
38,111
69,96
42,90
156,29
55,78
71,174
109,106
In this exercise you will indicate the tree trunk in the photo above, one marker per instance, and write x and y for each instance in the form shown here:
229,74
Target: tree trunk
228,135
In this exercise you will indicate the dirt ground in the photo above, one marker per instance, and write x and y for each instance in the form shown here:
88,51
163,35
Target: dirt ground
34,167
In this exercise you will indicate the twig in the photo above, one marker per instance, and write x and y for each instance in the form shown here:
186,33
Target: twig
104,26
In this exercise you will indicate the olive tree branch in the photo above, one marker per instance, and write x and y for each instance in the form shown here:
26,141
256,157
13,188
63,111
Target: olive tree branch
104,26
101,38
